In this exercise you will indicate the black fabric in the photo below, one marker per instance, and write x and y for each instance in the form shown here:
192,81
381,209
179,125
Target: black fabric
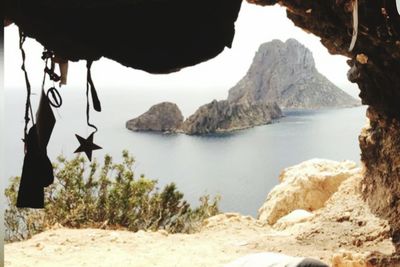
45,121
37,173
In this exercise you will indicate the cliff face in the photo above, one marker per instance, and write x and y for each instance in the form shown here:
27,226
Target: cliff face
163,117
375,67
223,116
286,73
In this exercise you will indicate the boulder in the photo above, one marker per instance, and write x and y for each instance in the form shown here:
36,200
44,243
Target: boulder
349,259
295,217
307,186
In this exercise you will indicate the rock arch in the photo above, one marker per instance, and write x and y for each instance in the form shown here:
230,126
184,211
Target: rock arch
374,61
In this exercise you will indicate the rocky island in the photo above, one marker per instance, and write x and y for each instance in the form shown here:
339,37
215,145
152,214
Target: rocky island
215,117
224,116
285,72
163,117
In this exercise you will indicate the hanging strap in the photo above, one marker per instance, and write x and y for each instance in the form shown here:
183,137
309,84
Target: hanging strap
28,106
96,102
90,84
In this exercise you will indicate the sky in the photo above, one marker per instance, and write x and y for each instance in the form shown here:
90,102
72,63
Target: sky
254,26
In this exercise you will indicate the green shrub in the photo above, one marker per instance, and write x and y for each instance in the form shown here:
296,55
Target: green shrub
108,196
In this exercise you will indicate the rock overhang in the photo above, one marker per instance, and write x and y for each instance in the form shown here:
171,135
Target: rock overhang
158,36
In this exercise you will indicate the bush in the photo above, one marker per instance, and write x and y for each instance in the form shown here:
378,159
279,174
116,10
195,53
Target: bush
107,196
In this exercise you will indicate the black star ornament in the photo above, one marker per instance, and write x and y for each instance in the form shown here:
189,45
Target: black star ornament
87,146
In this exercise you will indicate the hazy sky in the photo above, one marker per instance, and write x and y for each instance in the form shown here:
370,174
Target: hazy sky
255,26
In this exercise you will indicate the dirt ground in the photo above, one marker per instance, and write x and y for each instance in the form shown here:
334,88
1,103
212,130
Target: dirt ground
344,224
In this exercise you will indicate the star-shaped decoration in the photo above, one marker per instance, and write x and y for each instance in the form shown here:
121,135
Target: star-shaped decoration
86,145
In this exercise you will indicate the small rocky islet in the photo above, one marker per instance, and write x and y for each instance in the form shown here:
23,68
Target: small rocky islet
163,117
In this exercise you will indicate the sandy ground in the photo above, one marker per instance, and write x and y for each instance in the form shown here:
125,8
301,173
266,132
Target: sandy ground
222,239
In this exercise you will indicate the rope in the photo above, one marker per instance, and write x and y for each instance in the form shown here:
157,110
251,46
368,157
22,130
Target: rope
28,106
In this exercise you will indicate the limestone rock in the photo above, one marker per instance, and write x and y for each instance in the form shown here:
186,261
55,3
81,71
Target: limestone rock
295,217
224,116
285,73
348,259
307,186
163,117
229,219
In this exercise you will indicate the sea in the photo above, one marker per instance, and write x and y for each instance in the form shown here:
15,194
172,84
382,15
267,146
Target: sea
241,167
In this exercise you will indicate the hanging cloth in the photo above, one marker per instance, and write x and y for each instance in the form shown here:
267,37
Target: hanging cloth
37,170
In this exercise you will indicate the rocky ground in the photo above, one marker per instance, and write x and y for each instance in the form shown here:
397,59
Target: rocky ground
342,230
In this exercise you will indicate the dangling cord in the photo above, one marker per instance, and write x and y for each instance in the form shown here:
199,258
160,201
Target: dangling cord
28,106
96,102
46,59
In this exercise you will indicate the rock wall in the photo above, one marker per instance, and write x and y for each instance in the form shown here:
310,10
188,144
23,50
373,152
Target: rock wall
380,145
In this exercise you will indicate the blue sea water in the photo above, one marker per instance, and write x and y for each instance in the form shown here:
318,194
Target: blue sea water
242,166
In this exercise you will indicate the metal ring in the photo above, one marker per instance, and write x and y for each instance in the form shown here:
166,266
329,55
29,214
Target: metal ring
55,100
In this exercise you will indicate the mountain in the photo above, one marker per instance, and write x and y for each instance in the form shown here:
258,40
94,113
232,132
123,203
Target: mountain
285,73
